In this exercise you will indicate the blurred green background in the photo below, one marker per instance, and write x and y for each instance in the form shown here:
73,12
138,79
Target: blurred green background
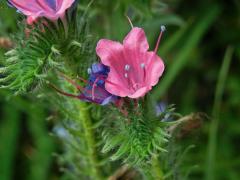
201,49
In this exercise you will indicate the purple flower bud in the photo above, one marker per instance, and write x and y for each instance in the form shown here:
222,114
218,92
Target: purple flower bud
161,108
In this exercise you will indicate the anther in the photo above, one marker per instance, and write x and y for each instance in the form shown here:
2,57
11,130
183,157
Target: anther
89,70
126,75
127,67
142,65
163,28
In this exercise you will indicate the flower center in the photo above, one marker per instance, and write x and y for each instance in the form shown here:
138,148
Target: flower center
134,83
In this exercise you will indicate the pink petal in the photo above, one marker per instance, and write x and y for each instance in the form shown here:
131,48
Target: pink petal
135,45
111,54
134,59
52,4
39,8
59,4
136,40
65,4
116,89
26,7
155,68
44,6
140,92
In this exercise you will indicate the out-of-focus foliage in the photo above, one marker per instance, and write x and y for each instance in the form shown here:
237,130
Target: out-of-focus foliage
25,145
193,48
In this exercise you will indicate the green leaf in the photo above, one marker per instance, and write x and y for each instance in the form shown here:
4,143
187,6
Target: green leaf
112,142
123,149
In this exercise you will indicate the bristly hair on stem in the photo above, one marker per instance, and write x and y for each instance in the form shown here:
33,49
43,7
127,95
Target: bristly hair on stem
137,137
45,46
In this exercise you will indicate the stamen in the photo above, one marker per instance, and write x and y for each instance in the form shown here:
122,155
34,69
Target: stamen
62,92
142,65
93,88
126,75
89,70
130,22
80,88
83,80
127,67
163,28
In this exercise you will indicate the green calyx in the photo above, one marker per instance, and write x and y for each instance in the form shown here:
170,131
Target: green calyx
138,137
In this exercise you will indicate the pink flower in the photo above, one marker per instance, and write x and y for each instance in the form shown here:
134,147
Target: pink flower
133,69
51,9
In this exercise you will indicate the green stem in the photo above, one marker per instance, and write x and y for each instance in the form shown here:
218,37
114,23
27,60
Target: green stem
157,170
90,140
212,144
9,139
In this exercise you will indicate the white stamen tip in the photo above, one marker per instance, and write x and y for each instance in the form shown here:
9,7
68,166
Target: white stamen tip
89,70
142,65
126,75
127,67
163,28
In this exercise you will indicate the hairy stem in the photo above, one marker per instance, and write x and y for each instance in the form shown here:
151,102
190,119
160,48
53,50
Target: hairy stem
157,170
90,140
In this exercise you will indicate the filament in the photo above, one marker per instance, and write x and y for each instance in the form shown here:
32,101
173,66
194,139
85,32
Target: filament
163,28
62,92
129,20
